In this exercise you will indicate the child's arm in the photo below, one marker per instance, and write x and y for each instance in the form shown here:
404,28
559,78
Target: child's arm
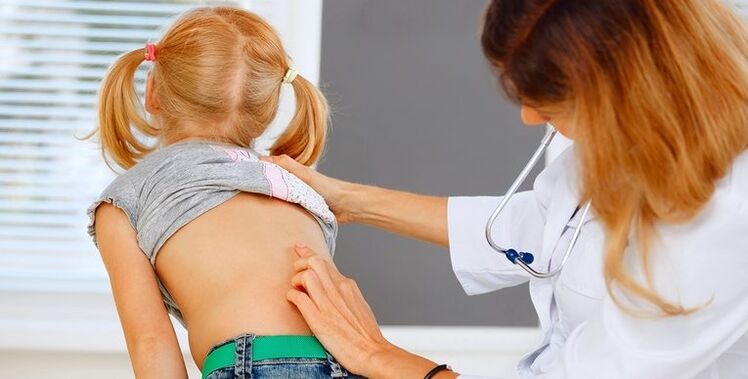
149,333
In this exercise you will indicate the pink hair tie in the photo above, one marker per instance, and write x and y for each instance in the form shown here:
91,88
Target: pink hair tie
150,52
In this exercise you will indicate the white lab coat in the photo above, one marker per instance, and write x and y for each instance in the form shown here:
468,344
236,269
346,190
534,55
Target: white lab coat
701,263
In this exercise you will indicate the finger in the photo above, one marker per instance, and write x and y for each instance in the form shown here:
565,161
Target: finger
309,260
326,296
303,263
322,269
303,251
310,283
342,294
290,165
332,303
327,272
306,306
305,254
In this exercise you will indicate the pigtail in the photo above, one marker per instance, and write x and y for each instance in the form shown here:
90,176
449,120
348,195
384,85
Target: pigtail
224,77
304,139
119,109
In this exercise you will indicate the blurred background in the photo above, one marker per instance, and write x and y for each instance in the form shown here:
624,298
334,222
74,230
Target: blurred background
415,107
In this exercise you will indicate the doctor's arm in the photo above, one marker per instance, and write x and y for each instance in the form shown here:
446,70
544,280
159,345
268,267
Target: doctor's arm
412,215
149,334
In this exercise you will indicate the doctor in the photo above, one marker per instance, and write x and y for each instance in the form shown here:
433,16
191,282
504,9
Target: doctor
655,95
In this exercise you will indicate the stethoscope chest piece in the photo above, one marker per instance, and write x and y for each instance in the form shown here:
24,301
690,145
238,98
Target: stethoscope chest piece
512,255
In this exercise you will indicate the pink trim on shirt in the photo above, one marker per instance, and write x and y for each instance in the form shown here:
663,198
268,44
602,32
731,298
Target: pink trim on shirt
235,154
278,186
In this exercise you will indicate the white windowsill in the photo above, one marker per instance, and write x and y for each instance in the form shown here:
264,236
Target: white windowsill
78,316
77,319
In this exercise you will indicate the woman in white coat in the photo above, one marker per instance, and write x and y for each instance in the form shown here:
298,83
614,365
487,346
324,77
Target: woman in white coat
655,95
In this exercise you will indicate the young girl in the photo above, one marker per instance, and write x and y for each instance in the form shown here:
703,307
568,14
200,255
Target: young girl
198,226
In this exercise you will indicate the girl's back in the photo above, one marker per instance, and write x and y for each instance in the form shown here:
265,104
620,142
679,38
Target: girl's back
230,269
218,225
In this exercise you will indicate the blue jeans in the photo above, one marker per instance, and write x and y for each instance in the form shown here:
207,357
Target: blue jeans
286,368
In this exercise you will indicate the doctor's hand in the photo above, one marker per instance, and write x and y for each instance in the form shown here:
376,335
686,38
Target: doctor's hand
332,190
341,319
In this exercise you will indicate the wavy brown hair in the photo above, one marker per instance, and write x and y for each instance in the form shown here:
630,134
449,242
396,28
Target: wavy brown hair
658,90
220,68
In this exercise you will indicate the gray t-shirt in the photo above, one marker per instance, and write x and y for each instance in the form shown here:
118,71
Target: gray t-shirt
174,185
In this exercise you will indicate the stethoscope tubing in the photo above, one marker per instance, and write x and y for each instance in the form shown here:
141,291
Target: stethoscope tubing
524,259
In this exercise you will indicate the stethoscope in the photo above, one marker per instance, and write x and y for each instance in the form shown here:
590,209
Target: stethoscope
524,259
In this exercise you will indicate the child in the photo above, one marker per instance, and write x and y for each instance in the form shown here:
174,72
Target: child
198,226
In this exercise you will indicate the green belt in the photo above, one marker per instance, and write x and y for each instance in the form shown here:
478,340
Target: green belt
266,347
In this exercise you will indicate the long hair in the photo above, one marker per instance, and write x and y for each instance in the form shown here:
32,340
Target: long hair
658,91
219,68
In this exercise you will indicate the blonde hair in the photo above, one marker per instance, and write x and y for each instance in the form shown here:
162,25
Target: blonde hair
659,91
221,68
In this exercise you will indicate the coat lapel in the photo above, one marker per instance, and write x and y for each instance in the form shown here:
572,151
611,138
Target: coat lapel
561,209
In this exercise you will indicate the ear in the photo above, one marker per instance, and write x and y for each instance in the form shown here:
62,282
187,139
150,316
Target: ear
151,103
531,116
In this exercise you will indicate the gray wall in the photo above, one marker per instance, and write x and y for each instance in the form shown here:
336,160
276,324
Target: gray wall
415,107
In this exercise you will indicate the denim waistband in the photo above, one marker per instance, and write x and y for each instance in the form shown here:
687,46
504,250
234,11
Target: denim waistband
233,352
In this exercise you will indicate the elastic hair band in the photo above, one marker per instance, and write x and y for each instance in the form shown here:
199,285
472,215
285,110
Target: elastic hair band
150,52
290,75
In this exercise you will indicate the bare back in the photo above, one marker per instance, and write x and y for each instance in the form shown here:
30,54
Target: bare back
230,269
218,227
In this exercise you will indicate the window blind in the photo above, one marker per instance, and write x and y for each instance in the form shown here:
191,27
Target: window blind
53,55
741,6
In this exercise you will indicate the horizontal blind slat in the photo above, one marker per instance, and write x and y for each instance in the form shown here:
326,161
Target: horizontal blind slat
48,221
16,151
43,139
118,34
59,194
40,247
48,234
51,181
132,7
50,85
99,19
56,126
49,206
72,45
28,166
36,58
53,71
49,112
65,99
